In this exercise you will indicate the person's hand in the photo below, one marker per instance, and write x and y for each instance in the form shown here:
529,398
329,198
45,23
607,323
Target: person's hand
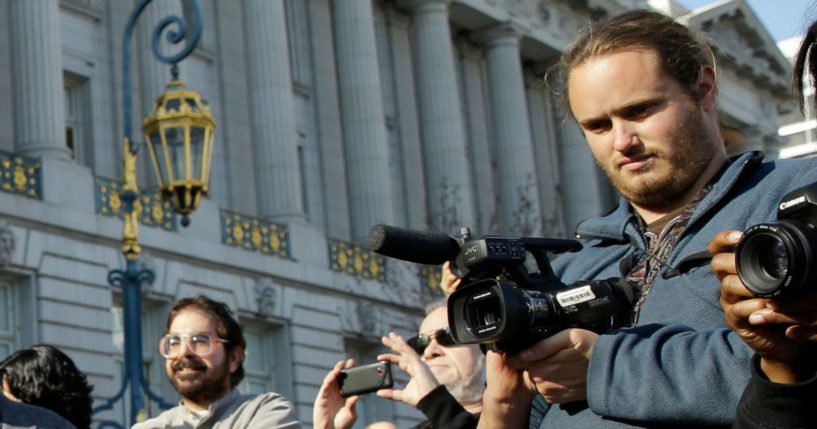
332,411
422,379
558,364
448,280
775,329
508,394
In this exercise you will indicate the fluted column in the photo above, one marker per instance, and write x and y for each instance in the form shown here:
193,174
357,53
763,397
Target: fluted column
518,209
275,140
408,125
450,195
39,116
544,129
364,126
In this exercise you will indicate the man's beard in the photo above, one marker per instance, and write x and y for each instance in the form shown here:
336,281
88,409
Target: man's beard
693,153
201,387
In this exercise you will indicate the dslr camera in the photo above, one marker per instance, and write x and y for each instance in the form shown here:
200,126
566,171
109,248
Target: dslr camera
500,303
778,258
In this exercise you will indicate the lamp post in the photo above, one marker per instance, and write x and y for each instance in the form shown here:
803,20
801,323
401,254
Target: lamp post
179,133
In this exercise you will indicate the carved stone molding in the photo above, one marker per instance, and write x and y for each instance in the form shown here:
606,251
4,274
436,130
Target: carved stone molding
7,243
266,296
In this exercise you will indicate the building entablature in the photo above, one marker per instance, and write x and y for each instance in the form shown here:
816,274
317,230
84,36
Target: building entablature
742,44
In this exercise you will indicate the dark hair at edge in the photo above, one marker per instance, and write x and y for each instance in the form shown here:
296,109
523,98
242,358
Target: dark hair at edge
43,375
680,51
803,71
228,328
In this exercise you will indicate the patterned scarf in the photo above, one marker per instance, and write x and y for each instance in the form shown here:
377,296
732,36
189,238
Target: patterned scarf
659,248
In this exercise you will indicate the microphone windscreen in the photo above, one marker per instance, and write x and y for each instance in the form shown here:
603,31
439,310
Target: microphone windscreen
422,247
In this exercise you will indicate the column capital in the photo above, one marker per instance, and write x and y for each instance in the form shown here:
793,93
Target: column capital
420,6
505,33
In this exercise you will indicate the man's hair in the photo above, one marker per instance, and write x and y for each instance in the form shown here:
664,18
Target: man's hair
805,65
680,52
45,376
227,327
437,303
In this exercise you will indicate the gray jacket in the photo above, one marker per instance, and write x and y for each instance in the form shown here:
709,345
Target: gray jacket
268,411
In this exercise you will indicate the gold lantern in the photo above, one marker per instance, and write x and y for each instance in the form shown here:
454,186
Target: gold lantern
179,135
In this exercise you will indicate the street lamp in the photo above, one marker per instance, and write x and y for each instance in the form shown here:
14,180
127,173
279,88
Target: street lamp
179,133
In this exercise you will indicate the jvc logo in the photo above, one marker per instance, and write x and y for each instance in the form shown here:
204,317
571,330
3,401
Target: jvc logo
471,250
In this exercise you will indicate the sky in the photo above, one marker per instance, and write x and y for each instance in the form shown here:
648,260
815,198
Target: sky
783,18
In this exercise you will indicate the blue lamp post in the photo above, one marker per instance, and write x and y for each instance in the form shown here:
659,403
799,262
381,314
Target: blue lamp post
179,133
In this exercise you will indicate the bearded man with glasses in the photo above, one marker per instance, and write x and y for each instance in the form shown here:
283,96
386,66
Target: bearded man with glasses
446,379
204,351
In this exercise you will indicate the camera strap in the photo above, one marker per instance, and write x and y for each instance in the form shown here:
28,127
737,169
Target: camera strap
690,262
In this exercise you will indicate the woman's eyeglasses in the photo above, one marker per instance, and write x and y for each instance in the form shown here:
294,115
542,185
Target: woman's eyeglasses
419,342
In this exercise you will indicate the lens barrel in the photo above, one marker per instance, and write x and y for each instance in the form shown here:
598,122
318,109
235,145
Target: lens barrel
506,317
776,258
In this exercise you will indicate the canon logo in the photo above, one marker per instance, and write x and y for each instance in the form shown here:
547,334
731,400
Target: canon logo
786,204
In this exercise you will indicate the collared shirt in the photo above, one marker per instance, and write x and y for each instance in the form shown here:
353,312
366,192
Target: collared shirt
268,410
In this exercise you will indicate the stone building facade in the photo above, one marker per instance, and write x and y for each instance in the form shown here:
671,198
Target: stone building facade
332,116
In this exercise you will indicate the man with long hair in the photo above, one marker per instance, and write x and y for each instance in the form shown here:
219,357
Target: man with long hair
643,90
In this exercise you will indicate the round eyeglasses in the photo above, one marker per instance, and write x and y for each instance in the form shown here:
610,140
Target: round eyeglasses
443,336
172,346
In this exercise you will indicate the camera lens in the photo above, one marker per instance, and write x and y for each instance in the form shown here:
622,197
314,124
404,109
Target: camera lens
774,261
484,314
773,258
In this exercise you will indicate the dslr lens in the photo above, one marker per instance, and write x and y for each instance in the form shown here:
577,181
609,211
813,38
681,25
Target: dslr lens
774,257
774,261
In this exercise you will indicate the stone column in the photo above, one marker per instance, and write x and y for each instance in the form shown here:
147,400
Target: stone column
450,195
364,127
478,132
518,210
582,184
408,125
275,141
544,127
39,116
329,123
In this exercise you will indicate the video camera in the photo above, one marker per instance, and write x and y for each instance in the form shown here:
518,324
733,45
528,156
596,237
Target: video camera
499,303
778,258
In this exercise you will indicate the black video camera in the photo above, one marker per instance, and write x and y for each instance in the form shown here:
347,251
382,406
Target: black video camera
499,303
778,258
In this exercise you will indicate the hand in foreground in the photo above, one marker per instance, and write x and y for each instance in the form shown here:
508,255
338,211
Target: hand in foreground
448,280
332,411
558,364
508,394
775,329
422,379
